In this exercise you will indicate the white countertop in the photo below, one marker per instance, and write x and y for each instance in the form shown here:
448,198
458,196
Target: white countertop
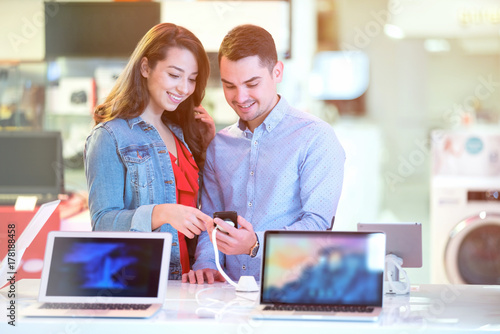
218,308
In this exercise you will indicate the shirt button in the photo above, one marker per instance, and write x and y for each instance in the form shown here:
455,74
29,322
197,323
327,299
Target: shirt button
250,204
244,267
255,143
251,173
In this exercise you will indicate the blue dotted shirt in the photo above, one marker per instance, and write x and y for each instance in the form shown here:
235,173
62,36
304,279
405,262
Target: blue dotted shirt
287,174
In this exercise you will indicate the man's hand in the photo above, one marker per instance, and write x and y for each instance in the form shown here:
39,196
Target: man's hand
237,241
202,275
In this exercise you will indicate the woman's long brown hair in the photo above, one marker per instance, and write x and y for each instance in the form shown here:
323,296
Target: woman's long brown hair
130,96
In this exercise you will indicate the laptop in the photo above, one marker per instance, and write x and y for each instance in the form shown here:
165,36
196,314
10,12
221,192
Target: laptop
321,275
10,264
103,274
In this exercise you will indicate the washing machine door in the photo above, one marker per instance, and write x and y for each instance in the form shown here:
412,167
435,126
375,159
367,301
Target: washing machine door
472,254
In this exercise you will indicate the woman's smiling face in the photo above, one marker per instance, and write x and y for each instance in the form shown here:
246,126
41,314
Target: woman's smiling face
171,81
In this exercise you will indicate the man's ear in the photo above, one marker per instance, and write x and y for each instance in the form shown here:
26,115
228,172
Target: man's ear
278,72
144,67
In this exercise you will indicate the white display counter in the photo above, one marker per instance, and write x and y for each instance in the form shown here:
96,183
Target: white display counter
218,308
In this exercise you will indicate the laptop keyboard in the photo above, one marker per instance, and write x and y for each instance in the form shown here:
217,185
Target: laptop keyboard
320,308
10,199
91,306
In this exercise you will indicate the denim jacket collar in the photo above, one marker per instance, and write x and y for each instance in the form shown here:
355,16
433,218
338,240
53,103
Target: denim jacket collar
134,121
176,130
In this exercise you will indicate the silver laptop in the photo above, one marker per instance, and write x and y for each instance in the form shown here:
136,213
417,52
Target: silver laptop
103,274
321,275
10,266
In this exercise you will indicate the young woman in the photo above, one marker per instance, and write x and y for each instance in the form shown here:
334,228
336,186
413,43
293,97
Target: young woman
143,157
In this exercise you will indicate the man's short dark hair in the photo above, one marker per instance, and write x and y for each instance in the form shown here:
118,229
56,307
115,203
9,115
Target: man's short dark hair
249,40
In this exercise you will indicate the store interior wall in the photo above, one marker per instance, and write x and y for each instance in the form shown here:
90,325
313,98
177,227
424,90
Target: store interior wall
411,92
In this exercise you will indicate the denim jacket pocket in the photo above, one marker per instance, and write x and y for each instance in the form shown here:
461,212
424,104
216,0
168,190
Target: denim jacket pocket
141,172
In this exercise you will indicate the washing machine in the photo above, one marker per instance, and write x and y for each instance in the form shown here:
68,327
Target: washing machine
465,208
465,230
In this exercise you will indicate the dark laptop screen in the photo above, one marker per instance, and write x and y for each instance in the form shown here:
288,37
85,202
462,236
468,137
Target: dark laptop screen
119,267
323,268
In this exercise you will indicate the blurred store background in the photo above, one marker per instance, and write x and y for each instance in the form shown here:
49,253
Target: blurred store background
411,87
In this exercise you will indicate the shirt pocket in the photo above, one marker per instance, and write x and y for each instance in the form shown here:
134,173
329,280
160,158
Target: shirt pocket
140,166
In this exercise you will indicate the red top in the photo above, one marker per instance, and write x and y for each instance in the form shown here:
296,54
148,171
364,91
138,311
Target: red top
186,182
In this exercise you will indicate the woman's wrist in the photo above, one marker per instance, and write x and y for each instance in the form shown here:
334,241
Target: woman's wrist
158,216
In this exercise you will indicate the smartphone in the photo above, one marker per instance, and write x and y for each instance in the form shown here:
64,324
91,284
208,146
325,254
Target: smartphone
231,217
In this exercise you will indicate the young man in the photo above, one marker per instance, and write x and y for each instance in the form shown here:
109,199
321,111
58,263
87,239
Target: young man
278,167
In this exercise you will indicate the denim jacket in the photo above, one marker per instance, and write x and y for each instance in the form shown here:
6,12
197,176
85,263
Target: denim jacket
128,171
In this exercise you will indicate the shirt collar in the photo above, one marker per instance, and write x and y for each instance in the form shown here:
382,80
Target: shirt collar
274,117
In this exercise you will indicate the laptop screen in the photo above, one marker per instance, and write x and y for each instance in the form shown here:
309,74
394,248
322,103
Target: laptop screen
105,264
323,268
121,267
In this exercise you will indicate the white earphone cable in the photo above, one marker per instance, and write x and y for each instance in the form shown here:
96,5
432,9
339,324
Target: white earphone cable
217,263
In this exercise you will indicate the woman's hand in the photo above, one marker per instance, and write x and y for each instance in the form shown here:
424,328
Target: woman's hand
207,125
185,219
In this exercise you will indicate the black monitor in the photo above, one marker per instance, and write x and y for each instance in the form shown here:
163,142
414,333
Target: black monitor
97,29
31,164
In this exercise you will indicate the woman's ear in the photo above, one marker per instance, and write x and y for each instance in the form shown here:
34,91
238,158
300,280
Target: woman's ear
144,67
